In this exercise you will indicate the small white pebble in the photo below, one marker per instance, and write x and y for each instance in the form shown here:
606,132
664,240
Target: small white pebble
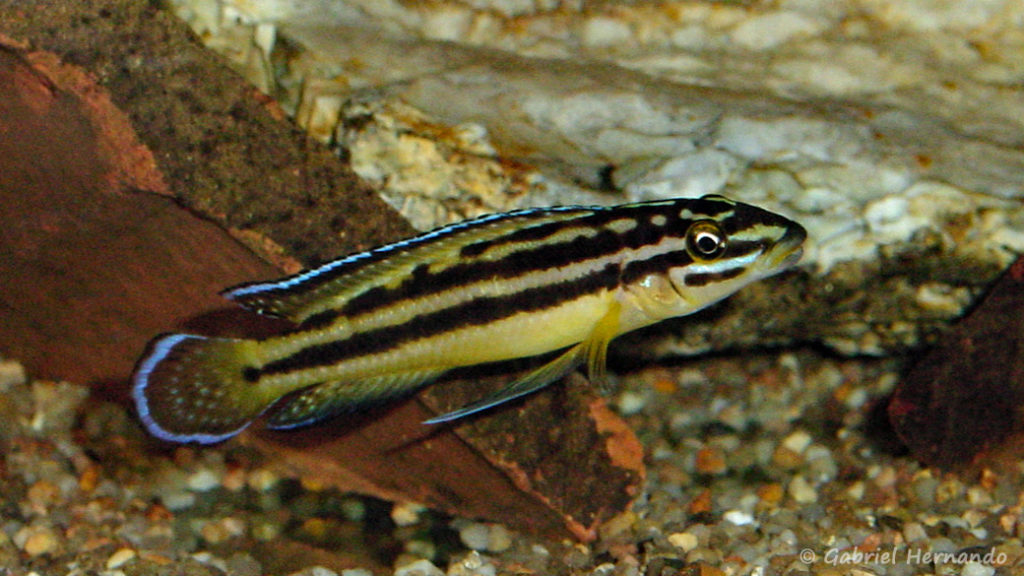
203,480
11,374
914,532
857,398
475,536
354,572
978,496
856,490
977,569
208,559
685,541
631,403
499,539
321,571
974,517
472,565
262,479
419,568
120,558
178,500
36,541
406,513
801,491
798,441
234,526
738,517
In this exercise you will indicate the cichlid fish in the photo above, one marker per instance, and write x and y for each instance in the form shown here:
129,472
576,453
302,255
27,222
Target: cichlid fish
385,322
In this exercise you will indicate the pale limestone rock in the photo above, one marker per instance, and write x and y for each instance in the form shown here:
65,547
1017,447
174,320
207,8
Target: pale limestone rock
902,153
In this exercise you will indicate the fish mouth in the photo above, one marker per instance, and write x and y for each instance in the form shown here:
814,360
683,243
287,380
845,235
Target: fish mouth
790,248
790,260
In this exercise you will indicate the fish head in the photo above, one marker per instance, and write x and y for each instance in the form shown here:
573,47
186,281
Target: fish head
729,245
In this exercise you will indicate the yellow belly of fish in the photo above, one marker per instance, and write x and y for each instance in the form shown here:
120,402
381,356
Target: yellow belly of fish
518,336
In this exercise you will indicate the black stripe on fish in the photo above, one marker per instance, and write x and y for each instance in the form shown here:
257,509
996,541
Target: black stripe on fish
471,313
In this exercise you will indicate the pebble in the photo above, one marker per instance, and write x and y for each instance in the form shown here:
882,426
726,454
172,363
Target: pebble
797,441
321,571
222,530
978,496
43,493
474,536
914,532
406,513
801,491
499,539
769,498
234,479
242,564
949,488
203,480
786,458
710,460
419,568
37,541
685,541
121,557
977,569
821,465
472,565
263,479
631,403
11,374
738,517
770,495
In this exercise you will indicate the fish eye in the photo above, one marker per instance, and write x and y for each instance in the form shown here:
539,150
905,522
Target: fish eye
705,240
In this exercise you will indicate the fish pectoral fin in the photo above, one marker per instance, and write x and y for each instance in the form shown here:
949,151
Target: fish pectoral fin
606,329
532,382
323,401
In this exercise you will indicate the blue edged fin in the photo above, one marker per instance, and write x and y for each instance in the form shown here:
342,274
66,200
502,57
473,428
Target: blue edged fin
330,399
331,285
539,378
593,350
194,389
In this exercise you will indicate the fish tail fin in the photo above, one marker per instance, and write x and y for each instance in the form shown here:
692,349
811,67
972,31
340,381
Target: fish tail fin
197,389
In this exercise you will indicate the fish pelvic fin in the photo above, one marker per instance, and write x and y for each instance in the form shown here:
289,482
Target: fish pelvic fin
593,351
196,389
330,399
606,329
539,378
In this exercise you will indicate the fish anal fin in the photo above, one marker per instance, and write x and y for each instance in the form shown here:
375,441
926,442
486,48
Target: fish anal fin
330,399
535,380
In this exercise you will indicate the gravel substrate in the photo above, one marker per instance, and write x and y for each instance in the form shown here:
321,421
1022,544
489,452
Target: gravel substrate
760,464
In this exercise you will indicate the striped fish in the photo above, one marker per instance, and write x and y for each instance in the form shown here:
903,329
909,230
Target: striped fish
385,322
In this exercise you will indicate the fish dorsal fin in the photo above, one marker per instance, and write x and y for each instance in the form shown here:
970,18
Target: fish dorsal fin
330,399
539,378
331,285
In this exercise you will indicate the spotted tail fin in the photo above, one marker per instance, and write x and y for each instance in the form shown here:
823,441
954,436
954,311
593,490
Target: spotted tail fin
196,389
